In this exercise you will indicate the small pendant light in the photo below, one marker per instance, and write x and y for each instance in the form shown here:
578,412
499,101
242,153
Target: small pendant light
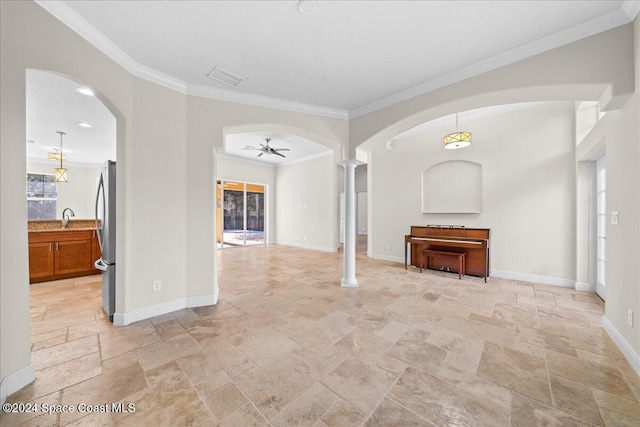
61,173
457,139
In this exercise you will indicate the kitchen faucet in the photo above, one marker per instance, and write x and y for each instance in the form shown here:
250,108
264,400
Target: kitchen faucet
66,217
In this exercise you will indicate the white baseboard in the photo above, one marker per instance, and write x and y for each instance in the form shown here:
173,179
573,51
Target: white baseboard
123,319
305,246
586,287
624,346
545,280
386,257
14,382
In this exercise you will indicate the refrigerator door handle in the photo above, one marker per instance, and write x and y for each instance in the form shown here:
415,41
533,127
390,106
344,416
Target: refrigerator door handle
100,190
100,265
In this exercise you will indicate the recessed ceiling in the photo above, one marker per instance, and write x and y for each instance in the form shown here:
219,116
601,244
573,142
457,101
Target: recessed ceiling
343,58
299,148
54,104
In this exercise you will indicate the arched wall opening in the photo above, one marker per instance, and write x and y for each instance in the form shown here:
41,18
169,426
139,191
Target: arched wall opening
302,194
518,182
59,102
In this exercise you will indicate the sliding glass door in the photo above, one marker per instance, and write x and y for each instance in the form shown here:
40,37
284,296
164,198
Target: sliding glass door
241,213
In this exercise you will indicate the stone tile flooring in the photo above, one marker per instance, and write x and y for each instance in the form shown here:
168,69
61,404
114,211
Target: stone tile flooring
286,345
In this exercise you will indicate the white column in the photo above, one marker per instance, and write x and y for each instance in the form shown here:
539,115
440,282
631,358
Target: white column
349,274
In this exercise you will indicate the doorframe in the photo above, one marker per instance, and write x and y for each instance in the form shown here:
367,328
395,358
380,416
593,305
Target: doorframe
244,217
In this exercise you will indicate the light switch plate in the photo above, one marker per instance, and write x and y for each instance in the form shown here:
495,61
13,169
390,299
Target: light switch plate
615,218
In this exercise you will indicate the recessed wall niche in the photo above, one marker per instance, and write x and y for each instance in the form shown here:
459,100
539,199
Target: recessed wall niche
453,186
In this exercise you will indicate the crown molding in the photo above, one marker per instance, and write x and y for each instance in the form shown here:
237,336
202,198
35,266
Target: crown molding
60,10
69,17
304,159
631,8
272,165
265,101
586,29
226,156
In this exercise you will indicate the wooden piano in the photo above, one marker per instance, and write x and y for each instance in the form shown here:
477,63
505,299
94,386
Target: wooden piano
474,242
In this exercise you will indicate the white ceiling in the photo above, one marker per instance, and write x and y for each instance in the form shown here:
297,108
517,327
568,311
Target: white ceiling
344,59
300,148
53,104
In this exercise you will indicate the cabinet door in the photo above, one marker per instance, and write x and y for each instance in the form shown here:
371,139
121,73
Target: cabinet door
73,256
40,259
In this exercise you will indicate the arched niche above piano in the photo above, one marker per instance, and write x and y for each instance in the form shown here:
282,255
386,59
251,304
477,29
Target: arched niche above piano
453,186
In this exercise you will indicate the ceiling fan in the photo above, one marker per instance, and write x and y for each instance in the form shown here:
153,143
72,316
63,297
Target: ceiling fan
266,149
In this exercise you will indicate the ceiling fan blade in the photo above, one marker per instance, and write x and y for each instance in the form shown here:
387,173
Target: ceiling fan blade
264,147
278,154
248,147
260,154
281,149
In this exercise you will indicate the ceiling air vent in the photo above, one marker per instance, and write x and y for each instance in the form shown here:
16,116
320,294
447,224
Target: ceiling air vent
225,77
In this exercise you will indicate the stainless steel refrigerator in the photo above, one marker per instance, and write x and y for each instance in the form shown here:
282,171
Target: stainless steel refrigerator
106,228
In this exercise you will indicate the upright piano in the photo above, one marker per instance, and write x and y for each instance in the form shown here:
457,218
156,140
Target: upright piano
474,242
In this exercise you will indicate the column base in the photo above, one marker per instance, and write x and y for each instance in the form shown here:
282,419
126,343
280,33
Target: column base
353,283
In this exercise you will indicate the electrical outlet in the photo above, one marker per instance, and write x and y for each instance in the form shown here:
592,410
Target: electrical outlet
157,285
615,218
630,317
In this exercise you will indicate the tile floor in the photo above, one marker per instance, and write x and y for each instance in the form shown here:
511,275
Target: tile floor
287,346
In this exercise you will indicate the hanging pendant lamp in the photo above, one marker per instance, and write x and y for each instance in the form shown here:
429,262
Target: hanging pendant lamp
457,139
61,173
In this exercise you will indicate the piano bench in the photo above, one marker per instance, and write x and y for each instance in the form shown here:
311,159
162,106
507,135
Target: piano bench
427,254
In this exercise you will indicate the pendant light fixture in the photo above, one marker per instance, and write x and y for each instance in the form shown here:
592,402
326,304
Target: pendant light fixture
457,139
61,173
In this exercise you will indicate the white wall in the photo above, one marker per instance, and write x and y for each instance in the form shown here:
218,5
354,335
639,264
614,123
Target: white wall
363,226
231,169
78,194
528,189
306,204
166,148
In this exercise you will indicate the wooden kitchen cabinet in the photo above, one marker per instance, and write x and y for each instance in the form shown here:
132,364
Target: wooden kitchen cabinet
73,256
61,254
40,259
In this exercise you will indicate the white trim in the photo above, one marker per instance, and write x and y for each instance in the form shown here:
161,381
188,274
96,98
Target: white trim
265,101
631,8
546,280
387,257
586,29
306,246
123,319
624,346
14,382
65,14
586,287
227,156
245,160
77,23
304,159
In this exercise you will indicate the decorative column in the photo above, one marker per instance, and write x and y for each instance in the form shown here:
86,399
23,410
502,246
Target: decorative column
349,274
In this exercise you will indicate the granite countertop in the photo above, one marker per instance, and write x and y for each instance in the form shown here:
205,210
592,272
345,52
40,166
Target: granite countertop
55,225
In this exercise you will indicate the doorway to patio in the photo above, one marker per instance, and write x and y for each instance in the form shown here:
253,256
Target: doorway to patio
240,213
